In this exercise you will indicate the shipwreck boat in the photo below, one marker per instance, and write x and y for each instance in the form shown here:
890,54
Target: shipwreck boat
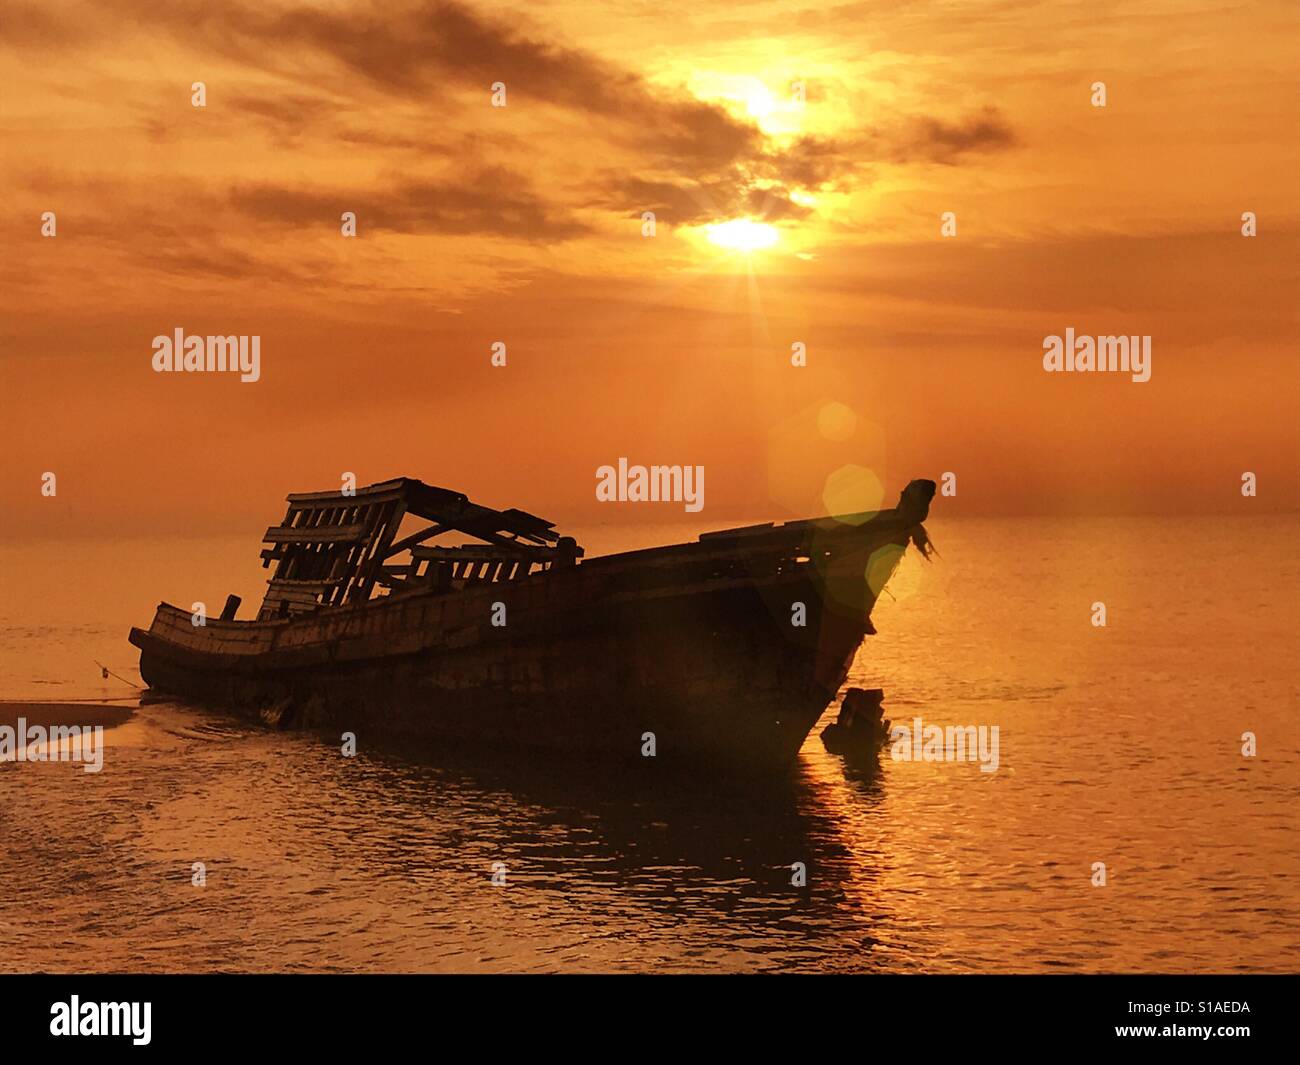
728,648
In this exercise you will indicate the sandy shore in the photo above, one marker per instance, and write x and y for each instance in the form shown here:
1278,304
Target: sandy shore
47,714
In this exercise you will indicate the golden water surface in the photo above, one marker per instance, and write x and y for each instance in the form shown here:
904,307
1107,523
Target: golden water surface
1120,745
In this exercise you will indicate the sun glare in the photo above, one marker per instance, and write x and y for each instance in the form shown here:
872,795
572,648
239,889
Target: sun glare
742,234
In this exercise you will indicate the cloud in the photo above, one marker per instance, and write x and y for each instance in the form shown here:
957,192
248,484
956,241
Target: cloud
419,51
936,141
691,203
36,26
760,182
489,200
812,162
372,75
296,116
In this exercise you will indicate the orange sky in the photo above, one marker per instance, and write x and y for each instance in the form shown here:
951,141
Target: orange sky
523,224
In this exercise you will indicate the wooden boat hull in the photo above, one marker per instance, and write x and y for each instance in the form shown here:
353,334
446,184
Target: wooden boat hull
726,651
710,674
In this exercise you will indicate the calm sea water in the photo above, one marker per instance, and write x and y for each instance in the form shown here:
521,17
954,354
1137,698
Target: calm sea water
1118,745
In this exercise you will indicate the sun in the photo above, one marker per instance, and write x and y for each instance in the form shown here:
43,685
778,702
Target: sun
742,234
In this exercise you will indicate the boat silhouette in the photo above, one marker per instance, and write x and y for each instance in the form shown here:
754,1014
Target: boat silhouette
725,649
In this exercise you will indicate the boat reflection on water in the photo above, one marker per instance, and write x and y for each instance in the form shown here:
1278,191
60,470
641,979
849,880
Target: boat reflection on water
764,856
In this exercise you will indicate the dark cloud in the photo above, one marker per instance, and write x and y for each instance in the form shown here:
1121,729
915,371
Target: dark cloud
416,51
817,162
290,117
693,203
287,109
936,141
490,200
694,161
760,183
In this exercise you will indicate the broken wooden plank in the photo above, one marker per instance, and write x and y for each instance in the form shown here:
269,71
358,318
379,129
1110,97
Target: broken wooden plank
321,534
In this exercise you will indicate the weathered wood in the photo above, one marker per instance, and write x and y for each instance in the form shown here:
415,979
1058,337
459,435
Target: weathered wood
345,540
494,552
415,538
692,642
319,534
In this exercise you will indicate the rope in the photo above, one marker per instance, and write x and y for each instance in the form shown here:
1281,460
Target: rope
109,673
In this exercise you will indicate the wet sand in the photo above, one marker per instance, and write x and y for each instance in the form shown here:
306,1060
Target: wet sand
47,714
